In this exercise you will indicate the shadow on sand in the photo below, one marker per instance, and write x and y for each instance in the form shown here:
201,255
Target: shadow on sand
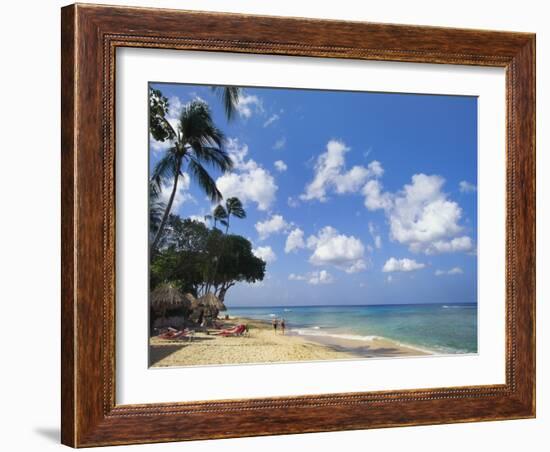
158,352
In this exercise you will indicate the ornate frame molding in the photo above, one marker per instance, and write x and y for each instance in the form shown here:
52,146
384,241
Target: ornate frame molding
90,37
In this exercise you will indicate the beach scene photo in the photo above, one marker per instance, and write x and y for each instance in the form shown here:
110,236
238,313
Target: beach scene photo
290,225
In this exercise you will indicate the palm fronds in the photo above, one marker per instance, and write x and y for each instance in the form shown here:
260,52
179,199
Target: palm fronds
196,125
234,207
229,96
204,180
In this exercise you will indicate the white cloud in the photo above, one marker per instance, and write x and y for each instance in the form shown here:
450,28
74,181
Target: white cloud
375,236
265,253
159,146
200,219
249,182
331,174
375,168
423,213
341,251
280,143
248,105
401,265
447,246
295,240
238,153
274,117
292,202
254,186
358,266
182,195
455,271
420,215
321,277
452,271
175,106
466,187
274,225
314,278
374,198
280,166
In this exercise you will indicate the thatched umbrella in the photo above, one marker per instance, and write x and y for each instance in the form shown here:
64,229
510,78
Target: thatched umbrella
166,296
211,305
194,302
211,302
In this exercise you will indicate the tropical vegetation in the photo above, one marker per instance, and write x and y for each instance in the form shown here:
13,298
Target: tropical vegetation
186,254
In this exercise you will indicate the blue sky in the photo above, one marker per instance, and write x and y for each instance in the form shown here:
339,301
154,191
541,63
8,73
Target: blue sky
351,197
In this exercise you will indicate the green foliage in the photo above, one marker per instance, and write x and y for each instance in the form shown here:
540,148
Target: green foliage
197,143
159,127
237,263
198,259
219,215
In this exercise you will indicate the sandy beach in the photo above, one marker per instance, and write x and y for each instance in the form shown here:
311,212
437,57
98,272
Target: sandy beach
263,345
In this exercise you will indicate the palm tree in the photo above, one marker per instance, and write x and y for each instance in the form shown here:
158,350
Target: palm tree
220,215
234,206
156,208
229,96
196,142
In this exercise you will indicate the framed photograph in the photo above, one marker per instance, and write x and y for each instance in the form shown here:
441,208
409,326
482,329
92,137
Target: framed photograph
281,225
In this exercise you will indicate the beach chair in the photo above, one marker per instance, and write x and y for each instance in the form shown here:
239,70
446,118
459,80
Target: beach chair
172,334
237,330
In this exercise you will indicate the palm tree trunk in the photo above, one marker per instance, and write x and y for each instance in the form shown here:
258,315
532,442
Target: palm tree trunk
167,211
221,250
227,225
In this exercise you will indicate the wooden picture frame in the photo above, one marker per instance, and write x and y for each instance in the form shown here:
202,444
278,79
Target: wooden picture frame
90,36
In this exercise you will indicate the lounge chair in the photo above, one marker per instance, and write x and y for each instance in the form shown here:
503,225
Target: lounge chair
172,334
237,330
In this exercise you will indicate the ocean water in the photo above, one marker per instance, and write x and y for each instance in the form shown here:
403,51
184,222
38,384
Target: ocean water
436,328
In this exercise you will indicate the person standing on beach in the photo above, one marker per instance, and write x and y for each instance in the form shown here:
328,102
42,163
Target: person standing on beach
274,323
283,326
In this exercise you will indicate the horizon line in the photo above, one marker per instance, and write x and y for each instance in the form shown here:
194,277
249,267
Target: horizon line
352,305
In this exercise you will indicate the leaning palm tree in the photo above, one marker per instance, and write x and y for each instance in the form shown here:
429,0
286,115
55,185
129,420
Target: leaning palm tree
229,96
219,215
156,209
196,142
234,207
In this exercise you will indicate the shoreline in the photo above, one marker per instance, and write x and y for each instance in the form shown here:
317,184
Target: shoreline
262,345
349,341
359,342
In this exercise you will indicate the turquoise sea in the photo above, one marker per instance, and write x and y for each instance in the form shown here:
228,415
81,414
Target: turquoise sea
449,328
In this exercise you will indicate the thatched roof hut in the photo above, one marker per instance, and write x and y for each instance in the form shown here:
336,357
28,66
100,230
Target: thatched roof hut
194,303
211,302
167,296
